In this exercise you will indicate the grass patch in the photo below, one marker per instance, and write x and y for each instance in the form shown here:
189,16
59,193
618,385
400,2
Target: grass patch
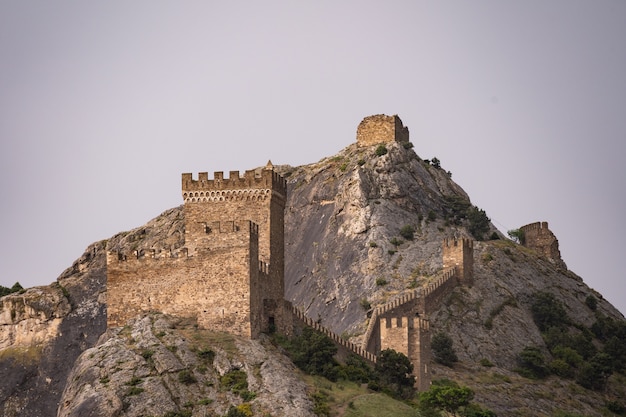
378,405
22,355
351,399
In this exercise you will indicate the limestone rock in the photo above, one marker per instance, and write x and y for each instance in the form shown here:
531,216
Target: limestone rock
128,374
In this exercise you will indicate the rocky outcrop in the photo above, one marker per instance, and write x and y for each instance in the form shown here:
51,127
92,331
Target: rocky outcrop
158,365
33,317
347,252
51,326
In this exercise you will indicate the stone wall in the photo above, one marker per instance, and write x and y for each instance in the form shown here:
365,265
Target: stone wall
219,288
381,128
538,236
230,274
402,324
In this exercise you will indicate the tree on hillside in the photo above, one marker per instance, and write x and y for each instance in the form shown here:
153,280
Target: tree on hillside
394,374
446,395
443,350
6,290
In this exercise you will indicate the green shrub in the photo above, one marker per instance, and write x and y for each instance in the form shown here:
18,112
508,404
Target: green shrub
235,381
365,304
616,407
361,162
320,403
547,311
396,242
443,350
561,368
15,288
517,235
206,354
407,232
134,391
381,281
595,373
407,145
186,377
486,363
393,374
147,354
478,222
381,150
134,381
591,302
447,395
373,245
532,363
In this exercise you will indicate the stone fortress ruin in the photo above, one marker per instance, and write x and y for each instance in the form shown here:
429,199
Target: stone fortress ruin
229,276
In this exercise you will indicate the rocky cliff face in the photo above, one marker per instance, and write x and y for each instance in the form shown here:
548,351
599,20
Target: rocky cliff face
158,365
347,251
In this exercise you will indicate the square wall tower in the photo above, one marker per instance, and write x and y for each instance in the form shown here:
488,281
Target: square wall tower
459,254
411,337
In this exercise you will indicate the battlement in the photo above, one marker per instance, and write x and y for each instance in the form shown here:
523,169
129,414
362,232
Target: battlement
338,340
534,226
539,237
254,185
404,322
465,242
381,128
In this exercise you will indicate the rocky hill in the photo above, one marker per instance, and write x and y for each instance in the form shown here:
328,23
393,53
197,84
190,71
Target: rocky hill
362,228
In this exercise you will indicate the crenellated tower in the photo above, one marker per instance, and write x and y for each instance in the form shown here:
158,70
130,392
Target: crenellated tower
459,254
230,274
213,205
539,237
411,337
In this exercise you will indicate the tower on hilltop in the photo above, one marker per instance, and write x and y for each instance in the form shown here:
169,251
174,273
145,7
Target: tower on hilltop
381,128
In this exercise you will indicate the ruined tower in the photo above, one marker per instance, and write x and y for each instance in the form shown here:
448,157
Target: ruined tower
538,236
381,128
459,254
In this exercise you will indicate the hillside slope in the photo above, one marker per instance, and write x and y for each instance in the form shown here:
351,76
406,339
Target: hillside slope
346,251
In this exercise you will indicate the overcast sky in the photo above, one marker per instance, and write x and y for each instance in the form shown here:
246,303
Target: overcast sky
104,104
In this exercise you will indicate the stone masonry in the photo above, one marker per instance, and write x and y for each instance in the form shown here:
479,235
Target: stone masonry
538,236
229,276
380,128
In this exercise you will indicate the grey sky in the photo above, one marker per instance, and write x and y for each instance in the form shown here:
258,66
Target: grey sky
104,104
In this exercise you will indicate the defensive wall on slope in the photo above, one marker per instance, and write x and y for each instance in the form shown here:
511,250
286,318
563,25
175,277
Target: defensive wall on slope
402,324
346,346
538,236
229,275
